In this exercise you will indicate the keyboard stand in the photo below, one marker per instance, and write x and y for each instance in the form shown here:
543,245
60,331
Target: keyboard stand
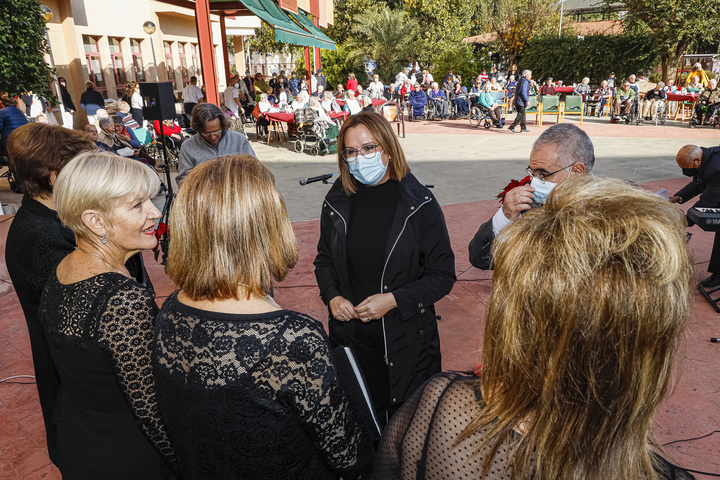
713,301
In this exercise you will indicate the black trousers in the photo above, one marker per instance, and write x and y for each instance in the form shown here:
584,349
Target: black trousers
714,266
188,109
520,118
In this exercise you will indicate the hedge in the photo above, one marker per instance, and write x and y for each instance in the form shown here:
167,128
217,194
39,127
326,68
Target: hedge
571,58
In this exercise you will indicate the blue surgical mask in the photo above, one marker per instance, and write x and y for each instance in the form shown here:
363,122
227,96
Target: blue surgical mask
542,189
368,171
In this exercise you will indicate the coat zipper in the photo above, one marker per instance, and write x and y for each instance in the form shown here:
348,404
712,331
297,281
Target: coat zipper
382,278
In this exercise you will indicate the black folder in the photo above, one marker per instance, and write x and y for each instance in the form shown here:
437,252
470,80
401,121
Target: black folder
352,377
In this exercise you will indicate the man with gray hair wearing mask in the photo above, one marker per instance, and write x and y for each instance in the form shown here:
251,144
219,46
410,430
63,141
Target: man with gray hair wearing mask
561,151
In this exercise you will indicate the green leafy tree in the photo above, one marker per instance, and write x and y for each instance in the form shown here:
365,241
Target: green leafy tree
338,63
22,43
515,22
345,15
676,25
441,25
463,60
385,36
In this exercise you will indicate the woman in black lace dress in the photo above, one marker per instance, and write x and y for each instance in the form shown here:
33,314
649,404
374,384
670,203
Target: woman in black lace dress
248,389
590,296
98,321
37,241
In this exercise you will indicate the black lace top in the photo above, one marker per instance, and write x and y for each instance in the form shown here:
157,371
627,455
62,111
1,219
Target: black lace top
418,443
254,397
100,333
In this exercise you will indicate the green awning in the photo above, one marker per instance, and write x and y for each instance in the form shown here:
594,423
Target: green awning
286,30
308,25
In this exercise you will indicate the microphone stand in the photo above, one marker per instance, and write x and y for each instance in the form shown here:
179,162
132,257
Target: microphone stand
169,195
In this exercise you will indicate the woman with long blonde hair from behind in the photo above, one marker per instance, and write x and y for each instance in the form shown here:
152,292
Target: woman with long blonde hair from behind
590,296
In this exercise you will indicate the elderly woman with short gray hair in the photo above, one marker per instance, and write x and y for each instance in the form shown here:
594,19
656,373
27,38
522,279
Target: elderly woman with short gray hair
213,140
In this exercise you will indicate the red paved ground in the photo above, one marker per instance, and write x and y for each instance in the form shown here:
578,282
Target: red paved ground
692,410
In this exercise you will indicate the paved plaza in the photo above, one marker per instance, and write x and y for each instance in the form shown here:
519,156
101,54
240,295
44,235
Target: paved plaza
468,168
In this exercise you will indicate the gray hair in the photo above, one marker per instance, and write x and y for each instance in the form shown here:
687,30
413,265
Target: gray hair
204,113
573,145
104,121
117,119
123,106
434,85
526,73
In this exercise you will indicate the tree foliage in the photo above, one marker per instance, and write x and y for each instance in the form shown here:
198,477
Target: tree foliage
515,22
441,25
676,26
346,12
385,36
22,43
338,63
570,58
463,59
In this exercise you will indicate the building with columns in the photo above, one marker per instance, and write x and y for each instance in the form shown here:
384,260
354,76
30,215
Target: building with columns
104,41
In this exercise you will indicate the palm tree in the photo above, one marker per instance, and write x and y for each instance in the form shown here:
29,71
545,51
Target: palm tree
385,36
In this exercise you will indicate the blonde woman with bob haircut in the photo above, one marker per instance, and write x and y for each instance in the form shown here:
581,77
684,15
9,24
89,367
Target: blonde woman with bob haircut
99,324
248,389
590,296
384,259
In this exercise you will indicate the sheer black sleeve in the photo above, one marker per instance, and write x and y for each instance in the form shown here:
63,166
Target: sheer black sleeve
330,420
125,332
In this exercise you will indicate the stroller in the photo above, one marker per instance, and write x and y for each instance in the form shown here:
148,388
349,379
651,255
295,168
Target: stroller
314,134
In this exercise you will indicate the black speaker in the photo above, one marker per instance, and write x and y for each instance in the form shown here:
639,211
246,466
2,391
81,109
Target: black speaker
159,101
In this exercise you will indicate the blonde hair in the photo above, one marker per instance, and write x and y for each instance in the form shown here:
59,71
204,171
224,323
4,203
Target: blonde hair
99,181
590,295
229,226
383,134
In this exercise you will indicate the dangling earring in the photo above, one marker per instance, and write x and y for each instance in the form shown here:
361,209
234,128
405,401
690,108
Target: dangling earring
103,239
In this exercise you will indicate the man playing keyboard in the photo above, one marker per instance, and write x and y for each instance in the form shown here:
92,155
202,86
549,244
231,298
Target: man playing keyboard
703,165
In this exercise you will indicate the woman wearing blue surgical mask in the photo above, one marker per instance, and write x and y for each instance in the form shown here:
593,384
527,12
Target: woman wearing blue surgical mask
384,259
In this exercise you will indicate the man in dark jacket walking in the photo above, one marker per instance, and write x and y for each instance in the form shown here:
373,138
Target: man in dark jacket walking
703,165
522,98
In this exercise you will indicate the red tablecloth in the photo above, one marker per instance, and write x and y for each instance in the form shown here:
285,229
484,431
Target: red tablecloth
564,89
290,118
681,97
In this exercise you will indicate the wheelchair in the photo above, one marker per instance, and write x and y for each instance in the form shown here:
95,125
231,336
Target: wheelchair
632,116
432,112
597,107
711,120
453,110
5,162
155,150
480,115
660,116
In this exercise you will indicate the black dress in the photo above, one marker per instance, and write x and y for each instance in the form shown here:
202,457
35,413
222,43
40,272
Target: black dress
254,397
36,242
100,333
419,441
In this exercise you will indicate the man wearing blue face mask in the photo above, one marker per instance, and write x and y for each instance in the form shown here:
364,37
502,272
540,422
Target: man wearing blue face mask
561,151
